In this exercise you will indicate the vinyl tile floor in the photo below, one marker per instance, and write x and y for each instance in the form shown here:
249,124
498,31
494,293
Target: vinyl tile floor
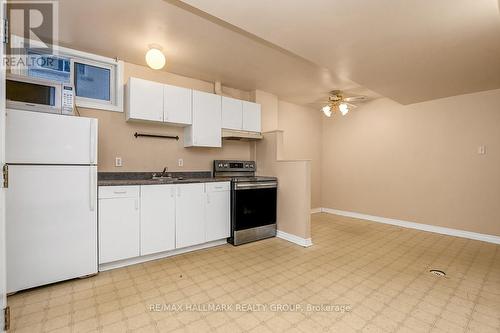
359,276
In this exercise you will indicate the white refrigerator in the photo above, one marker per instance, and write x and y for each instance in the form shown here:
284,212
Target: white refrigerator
51,198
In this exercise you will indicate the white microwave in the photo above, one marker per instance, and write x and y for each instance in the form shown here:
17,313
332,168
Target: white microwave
26,93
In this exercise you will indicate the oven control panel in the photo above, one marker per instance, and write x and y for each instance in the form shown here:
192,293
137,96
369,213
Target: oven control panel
226,165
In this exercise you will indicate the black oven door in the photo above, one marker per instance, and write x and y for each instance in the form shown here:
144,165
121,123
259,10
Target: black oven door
253,205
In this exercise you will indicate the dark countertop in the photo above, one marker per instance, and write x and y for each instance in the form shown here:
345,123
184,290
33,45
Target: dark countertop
145,178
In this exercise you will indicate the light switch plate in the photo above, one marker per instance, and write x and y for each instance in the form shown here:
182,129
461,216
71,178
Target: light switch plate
118,162
180,162
481,150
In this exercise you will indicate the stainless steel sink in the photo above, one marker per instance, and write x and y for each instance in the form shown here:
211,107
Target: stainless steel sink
162,178
166,179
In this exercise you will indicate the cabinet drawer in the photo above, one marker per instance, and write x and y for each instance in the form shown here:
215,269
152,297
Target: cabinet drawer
109,192
218,186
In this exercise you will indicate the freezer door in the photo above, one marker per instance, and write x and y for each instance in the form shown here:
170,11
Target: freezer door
51,224
42,138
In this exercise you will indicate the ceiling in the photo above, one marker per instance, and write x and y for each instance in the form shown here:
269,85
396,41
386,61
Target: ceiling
195,45
410,51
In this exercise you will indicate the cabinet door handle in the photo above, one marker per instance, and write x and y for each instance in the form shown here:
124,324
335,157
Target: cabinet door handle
178,191
120,192
208,198
136,204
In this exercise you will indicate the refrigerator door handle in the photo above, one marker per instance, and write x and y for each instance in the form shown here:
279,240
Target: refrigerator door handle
93,141
93,189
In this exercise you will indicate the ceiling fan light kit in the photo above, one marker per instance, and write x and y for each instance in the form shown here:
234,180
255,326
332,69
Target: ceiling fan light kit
327,110
344,109
337,102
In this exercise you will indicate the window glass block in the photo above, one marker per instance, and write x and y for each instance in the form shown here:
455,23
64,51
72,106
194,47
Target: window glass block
92,82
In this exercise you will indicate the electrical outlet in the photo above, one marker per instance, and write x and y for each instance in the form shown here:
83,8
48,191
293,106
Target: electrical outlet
481,150
118,162
180,162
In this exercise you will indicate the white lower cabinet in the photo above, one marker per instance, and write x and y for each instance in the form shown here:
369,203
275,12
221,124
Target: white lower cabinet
137,221
157,218
119,223
190,215
217,211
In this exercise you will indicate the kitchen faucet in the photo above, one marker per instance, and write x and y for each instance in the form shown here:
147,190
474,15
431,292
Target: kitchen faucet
164,172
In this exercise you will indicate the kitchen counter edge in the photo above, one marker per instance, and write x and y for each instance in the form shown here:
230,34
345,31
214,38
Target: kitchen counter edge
132,182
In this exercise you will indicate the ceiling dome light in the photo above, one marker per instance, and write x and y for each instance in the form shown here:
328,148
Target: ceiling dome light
155,58
327,110
344,109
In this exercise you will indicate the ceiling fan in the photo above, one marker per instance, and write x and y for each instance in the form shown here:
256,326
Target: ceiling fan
337,101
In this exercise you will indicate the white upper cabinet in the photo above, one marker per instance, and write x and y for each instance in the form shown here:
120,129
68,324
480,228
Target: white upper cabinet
177,105
203,114
232,113
157,218
240,115
144,100
207,121
251,117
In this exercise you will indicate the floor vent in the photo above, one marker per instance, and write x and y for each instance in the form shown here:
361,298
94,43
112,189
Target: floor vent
437,272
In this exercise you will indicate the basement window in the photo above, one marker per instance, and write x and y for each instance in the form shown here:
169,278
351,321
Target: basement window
97,80
93,82
49,67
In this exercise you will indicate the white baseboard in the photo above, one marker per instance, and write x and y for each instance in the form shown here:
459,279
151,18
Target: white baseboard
155,256
419,226
305,242
315,210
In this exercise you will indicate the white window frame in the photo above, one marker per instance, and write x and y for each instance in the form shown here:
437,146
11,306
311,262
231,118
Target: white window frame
94,103
116,75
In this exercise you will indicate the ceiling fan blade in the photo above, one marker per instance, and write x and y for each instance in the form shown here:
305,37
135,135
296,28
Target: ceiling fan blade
356,99
351,106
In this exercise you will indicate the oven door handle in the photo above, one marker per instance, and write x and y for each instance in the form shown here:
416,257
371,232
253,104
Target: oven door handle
254,186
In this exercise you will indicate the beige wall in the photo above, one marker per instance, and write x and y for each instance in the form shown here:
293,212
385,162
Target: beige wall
269,106
417,163
147,154
294,184
302,128
294,175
